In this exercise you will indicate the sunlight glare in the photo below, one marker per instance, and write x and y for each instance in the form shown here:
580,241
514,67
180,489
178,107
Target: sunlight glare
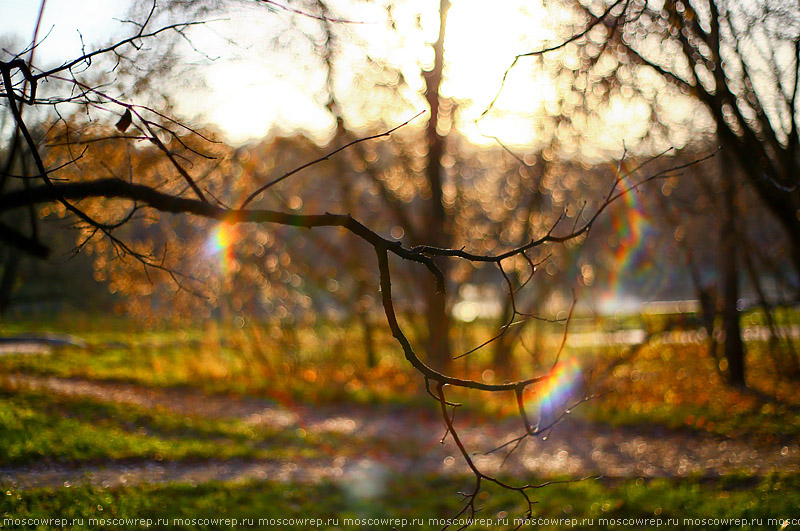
265,89
263,71
480,45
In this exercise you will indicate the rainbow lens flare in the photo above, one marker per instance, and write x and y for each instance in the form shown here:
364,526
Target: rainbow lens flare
220,243
632,259
557,392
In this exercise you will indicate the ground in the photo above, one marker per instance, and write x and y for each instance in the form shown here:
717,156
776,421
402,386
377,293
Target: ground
398,440
78,435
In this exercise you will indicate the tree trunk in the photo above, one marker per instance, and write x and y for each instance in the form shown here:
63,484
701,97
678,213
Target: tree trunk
502,360
369,339
783,204
733,346
437,316
784,360
7,281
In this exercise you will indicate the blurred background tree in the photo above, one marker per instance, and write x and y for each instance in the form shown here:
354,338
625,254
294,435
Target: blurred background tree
703,74
481,170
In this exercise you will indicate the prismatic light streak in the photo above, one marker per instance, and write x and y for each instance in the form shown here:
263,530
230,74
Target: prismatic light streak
220,244
556,392
632,227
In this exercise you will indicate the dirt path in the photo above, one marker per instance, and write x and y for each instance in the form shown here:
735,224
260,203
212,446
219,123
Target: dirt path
399,440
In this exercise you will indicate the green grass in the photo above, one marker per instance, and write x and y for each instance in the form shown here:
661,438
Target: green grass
36,425
675,386
413,497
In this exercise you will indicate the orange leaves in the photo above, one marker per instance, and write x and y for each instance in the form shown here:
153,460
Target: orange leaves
310,375
683,388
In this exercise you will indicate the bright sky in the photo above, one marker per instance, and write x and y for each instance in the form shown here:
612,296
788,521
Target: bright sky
94,20
258,84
